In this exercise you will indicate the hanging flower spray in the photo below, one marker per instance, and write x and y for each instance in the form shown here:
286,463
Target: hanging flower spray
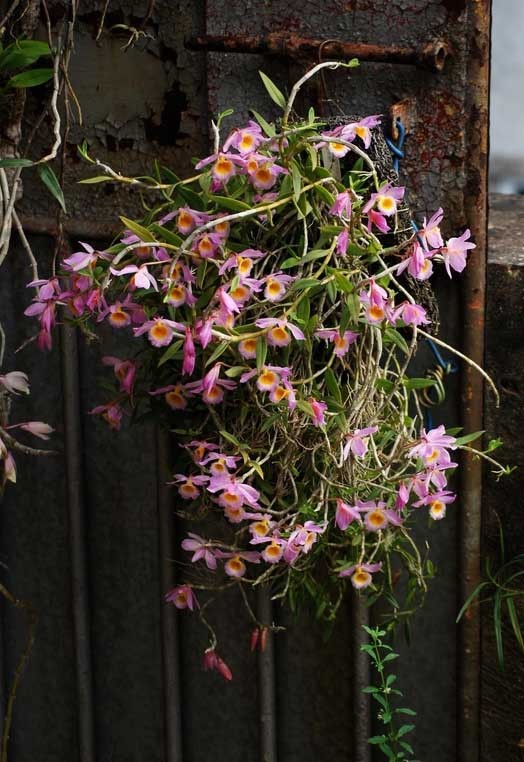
274,334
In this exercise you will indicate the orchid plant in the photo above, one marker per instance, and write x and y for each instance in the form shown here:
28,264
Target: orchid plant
275,327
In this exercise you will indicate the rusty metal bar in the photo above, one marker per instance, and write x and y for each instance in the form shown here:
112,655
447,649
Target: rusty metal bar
169,621
431,55
361,709
266,682
78,544
474,285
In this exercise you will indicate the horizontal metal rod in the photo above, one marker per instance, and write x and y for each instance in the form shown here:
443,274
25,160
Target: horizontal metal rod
432,55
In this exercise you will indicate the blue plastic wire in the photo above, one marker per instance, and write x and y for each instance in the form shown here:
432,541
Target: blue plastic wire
396,150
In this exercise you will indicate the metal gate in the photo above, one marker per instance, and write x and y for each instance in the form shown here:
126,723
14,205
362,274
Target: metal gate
89,538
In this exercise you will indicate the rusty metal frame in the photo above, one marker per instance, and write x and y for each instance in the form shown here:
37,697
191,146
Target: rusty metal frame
472,391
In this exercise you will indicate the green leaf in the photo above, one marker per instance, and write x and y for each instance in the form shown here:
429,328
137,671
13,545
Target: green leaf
497,625
405,710
220,349
404,729
190,197
5,163
377,739
469,437
31,78
170,352
343,283
232,204
50,180
268,128
235,371
139,230
418,383
297,180
332,385
512,611
274,93
291,262
23,53
261,352
391,336
164,235
469,600
230,438
97,179
302,283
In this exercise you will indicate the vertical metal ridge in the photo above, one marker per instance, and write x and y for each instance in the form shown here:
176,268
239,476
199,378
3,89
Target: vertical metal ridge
474,285
361,708
78,543
169,621
266,682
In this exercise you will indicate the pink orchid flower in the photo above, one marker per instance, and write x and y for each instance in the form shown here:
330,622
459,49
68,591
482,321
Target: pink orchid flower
437,503
318,410
243,261
418,263
455,252
385,200
36,428
357,442
268,377
207,245
188,365
213,662
179,294
189,219
219,464
304,536
378,517
342,206
276,286
346,514
235,566
182,597
175,395
211,386
429,234
245,139
341,342
234,493
361,574
111,413
160,331
263,173
82,260
278,335
433,447
125,371
376,302
224,166
284,391
142,278
410,314
342,243
200,549
15,382
188,489
378,220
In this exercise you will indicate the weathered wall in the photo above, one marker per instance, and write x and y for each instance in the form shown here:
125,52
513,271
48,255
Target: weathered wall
153,100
